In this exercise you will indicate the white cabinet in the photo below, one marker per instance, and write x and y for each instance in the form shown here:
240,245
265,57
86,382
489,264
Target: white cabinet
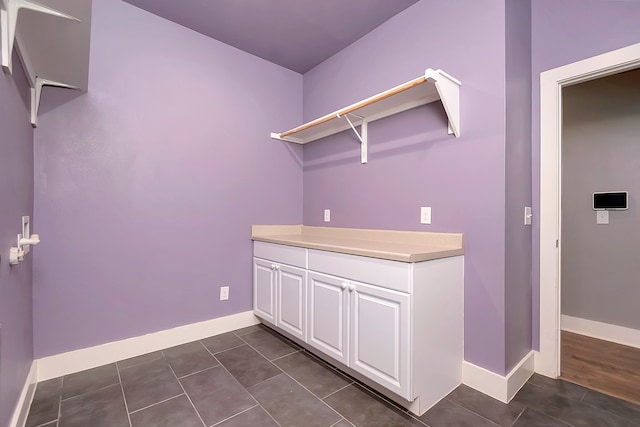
328,316
362,326
397,326
264,290
280,290
379,344
291,295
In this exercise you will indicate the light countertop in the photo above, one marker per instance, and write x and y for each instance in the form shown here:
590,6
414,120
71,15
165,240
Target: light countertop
404,246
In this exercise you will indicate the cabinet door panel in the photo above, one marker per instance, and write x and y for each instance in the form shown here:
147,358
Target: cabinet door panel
264,290
328,316
292,293
380,336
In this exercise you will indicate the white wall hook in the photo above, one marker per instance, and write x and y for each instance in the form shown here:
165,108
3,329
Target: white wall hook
8,19
17,253
33,240
14,256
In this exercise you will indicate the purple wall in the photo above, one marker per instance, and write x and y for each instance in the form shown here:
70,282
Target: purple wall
412,160
16,200
566,31
146,187
518,182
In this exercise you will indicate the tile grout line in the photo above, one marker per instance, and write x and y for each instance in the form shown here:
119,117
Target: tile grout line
186,394
198,372
558,394
393,404
255,349
244,388
519,416
338,390
381,397
603,409
140,363
234,415
60,401
126,406
157,403
313,394
473,412
233,376
260,327
90,391
286,355
221,351
339,421
355,381
550,416
264,357
322,361
581,399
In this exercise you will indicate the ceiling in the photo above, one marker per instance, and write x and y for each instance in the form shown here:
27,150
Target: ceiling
296,34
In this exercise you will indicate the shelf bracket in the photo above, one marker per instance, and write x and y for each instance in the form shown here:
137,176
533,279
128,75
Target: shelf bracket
449,90
8,19
36,93
362,135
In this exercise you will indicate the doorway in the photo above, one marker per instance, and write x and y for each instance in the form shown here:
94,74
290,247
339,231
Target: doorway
599,266
551,84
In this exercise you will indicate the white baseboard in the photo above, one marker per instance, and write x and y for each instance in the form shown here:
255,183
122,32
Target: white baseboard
21,410
502,388
600,330
91,357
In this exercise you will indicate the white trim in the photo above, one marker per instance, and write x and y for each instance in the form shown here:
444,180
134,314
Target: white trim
91,357
502,388
551,84
21,410
604,331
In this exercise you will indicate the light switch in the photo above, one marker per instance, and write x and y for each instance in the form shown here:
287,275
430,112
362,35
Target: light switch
527,215
327,215
602,217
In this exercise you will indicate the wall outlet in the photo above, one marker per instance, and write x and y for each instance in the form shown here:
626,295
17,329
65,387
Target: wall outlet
224,293
327,215
425,215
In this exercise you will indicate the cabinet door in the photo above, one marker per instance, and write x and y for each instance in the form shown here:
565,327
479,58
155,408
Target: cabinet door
264,290
379,343
292,298
328,316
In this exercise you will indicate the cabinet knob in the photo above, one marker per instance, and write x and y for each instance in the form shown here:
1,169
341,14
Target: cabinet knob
351,287
277,267
273,266
344,285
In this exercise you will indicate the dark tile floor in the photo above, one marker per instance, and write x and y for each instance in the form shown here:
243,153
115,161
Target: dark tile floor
254,377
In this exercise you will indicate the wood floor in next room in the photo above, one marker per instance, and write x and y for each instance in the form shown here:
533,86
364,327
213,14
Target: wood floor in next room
604,366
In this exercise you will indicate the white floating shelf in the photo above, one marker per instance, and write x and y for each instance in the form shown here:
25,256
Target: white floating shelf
434,85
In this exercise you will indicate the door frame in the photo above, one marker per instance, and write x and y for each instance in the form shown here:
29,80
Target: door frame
551,84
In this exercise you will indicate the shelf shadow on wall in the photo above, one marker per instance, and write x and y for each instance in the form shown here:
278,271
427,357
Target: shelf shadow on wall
295,150
54,97
411,132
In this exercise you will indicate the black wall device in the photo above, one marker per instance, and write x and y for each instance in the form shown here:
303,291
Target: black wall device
610,201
